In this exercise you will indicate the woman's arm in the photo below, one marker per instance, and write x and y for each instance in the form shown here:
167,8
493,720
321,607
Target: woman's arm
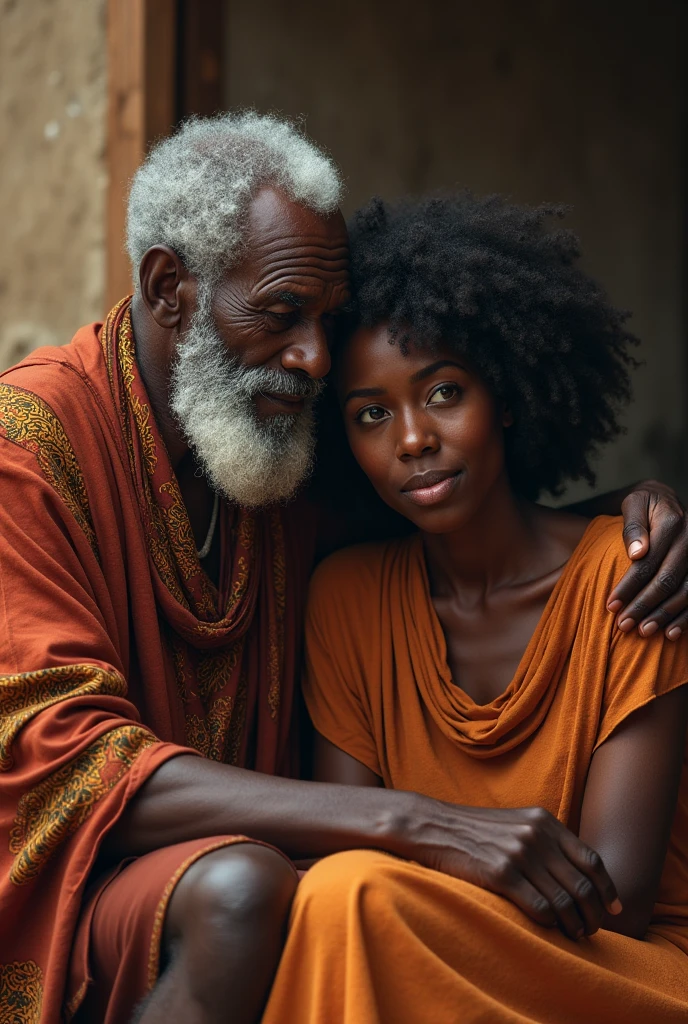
330,764
630,800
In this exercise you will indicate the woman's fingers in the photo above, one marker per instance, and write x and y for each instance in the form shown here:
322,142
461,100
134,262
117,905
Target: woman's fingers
589,863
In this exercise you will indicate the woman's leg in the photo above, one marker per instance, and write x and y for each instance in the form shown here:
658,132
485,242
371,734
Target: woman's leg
374,939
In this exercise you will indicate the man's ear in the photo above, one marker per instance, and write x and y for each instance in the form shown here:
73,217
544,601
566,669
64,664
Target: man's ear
162,277
507,416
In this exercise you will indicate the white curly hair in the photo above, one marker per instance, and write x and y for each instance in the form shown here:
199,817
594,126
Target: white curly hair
193,189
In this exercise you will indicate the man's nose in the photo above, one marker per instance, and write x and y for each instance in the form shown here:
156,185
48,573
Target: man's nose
308,352
416,437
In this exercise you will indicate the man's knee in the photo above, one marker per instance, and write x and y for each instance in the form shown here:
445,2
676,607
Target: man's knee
244,885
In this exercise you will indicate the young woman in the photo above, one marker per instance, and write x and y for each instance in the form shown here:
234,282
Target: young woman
475,661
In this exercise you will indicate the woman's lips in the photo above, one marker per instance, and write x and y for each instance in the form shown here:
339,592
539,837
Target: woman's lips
432,493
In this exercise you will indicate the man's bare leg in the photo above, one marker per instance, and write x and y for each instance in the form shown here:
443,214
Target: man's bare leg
224,931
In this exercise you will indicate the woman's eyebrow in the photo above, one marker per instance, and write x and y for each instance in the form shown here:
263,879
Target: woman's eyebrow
365,393
429,370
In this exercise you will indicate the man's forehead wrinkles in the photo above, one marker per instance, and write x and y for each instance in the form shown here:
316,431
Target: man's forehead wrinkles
305,287
307,274
301,245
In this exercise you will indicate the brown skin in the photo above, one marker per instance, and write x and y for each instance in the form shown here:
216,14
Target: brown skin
274,309
290,253
493,559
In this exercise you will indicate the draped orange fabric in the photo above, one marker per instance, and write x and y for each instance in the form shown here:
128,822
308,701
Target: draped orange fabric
117,652
375,939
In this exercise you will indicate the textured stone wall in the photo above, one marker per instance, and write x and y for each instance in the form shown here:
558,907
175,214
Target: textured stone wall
52,172
571,100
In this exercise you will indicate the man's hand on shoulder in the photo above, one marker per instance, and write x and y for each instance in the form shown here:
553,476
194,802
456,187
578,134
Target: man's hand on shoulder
653,594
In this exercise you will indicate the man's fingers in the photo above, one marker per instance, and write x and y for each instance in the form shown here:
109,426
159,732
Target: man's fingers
666,589
563,901
590,864
659,518
677,627
668,615
580,890
652,580
527,898
636,513
631,585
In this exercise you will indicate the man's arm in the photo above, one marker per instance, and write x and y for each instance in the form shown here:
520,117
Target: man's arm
192,798
653,594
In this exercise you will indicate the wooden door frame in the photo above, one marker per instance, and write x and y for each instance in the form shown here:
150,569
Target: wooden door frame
164,63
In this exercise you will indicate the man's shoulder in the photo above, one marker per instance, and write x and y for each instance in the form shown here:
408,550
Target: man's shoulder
55,381
45,371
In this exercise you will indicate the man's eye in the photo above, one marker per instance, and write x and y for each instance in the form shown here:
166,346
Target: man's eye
371,414
443,394
282,317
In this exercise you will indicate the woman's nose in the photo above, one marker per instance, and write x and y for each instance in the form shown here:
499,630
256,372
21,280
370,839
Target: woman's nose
416,437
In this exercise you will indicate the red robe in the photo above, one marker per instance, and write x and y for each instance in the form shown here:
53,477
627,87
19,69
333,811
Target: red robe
117,652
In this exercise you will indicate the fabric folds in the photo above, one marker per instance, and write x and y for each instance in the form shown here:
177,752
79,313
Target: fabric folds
378,686
117,651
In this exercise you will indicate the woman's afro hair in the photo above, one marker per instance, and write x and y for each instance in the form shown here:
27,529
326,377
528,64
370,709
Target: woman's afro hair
496,283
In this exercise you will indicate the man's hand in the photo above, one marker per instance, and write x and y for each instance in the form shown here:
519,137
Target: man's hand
524,854
654,592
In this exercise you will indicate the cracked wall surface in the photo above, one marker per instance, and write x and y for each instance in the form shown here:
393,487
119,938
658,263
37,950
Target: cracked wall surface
52,171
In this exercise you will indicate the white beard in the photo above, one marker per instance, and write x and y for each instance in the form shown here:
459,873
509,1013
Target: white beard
253,462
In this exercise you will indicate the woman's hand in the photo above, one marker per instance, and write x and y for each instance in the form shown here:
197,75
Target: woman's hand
654,592
525,855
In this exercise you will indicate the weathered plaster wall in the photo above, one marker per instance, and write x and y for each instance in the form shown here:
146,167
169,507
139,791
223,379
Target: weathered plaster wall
52,171
571,100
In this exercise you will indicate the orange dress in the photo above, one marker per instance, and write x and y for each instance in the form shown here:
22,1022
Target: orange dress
377,939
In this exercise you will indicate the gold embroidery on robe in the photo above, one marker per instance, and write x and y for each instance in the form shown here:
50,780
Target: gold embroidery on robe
29,422
54,809
209,735
21,992
22,696
215,668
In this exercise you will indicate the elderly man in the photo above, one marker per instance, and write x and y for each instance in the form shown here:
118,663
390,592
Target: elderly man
152,582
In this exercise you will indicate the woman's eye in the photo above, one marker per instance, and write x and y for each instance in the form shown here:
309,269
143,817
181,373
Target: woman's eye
443,394
373,414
